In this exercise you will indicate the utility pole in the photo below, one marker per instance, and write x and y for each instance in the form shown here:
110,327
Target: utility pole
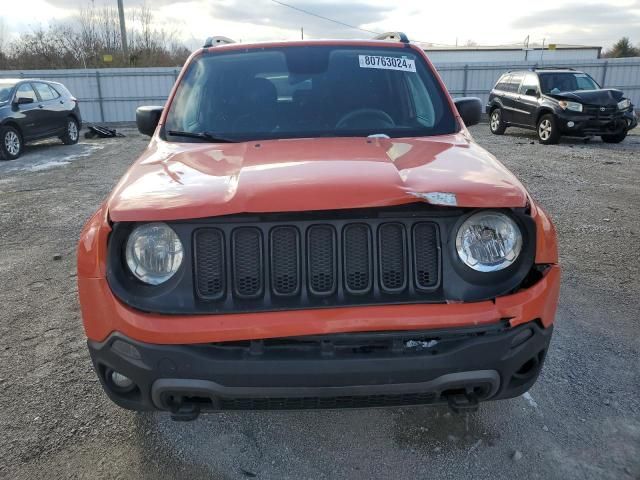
123,31
302,33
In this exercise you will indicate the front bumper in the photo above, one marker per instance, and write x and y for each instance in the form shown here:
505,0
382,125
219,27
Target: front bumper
461,366
583,124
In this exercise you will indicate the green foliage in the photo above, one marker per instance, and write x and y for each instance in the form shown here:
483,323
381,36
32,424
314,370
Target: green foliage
622,48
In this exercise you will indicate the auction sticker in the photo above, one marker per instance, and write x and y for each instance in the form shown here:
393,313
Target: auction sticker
387,63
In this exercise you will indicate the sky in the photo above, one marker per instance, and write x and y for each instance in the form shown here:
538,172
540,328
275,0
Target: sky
599,22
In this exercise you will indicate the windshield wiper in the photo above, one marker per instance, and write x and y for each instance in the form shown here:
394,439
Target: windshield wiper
210,137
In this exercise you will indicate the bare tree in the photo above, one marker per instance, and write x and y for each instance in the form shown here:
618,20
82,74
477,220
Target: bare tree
91,36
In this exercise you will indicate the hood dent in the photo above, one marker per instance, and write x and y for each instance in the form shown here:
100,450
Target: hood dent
195,180
602,97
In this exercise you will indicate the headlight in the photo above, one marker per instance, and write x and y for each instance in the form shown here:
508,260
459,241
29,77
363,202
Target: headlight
488,241
573,106
154,253
624,104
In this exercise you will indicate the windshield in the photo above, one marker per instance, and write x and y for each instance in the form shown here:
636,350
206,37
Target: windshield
309,91
566,82
5,90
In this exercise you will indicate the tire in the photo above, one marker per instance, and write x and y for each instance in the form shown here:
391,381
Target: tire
11,144
496,125
72,132
547,130
615,138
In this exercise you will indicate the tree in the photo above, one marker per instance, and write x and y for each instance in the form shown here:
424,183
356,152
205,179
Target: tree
84,40
622,48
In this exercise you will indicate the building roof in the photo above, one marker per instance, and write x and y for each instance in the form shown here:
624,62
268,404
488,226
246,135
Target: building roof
472,48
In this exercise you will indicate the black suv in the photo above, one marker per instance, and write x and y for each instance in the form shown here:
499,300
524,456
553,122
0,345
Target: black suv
35,109
559,101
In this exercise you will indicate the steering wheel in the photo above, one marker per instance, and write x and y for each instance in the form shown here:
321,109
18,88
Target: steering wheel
380,118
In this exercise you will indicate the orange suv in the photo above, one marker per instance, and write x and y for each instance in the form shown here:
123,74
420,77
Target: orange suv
312,226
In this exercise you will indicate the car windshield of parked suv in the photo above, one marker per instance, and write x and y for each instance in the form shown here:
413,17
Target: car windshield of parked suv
309,91
566,82
5,90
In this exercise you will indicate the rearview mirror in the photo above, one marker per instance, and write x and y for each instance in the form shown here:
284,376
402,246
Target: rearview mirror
147,119
23,100
470,109
531,92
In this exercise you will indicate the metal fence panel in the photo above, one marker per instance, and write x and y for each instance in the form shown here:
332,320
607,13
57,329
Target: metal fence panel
112,94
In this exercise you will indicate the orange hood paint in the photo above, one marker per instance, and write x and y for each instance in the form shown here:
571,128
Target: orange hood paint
172,181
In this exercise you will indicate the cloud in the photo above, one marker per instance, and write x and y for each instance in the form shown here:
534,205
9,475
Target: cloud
579,23
270,14
594,14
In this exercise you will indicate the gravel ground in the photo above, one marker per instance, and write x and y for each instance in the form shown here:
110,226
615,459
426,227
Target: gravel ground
581,420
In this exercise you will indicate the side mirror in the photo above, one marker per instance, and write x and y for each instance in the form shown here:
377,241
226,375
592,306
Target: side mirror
147,119
531,92
470,109
23,100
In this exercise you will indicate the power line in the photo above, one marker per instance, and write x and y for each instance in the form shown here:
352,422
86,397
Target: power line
325,18
338,22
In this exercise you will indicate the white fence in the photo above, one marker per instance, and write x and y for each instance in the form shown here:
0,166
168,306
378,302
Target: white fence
112,94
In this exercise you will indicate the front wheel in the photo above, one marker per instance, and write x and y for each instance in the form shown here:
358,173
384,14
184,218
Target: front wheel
614,138
496,124
547,130
10,143
71,134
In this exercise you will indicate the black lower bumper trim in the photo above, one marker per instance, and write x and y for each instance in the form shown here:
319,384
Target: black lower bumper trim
459,367
166,392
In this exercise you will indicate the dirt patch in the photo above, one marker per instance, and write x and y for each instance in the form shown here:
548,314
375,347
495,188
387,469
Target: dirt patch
581,420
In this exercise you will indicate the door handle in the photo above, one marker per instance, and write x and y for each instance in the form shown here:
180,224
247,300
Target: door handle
40,106
61,101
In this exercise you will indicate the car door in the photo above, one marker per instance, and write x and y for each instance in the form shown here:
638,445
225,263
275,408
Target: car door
500,91
527,101
509,100
27,115
51,110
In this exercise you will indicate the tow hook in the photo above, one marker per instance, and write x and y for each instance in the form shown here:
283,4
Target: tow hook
460,402
184,413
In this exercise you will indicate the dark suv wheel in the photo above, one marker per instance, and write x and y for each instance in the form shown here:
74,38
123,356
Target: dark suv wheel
496,124
10,143
71,134
614,138
547,129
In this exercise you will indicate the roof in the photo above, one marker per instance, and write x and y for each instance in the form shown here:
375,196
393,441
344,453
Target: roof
473,48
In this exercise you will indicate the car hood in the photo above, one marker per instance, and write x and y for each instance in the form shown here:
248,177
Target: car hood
602,97
173,181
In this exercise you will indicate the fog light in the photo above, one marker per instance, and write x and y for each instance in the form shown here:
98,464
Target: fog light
120,380
570,124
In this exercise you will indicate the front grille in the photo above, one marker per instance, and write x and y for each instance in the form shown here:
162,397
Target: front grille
606,114
244,266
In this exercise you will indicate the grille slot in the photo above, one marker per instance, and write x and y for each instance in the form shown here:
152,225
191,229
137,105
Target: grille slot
426,258
247,262
357,258
321,252
209,263
285,261
393,262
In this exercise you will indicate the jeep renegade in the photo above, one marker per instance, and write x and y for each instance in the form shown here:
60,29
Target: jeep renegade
312,226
